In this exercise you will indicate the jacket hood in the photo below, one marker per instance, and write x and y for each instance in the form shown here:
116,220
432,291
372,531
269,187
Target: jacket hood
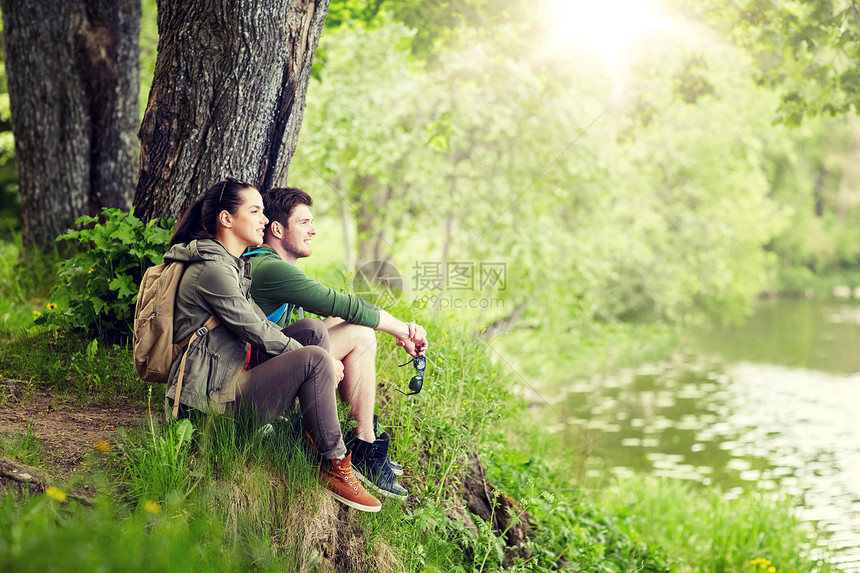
201,250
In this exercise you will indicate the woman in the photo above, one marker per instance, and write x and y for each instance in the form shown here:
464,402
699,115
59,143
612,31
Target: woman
219,374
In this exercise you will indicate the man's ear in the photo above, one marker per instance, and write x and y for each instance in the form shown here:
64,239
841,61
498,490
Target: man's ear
276,229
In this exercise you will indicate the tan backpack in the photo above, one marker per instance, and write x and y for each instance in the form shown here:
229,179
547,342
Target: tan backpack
154,350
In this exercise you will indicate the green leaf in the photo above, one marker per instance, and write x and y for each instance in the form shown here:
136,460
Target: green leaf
184,432
124,285
92,349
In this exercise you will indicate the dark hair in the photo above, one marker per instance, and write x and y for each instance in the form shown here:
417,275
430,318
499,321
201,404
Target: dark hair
279,202
200,220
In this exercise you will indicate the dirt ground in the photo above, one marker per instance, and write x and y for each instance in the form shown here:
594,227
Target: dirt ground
66,428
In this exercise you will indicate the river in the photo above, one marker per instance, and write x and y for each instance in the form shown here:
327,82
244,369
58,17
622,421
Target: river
771,404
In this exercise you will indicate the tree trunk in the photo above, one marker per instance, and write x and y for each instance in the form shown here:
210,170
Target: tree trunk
374,238
73,77
348,235
227,98
374,243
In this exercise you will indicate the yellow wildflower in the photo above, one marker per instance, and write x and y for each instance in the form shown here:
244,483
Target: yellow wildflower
57,494
444,335
37,313
152,507
52,306
102,446
771,569
89,271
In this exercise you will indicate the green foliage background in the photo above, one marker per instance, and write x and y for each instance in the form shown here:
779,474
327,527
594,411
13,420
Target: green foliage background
443,133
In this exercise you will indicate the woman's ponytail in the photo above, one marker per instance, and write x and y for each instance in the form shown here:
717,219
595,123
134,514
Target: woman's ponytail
189,224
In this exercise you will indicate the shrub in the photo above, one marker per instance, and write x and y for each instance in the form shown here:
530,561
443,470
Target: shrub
97,286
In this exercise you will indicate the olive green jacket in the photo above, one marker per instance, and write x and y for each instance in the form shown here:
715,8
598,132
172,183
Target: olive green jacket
215,283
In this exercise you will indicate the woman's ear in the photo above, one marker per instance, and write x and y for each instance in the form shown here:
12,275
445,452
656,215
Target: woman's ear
225,219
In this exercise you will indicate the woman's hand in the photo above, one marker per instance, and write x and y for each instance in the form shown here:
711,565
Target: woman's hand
338,371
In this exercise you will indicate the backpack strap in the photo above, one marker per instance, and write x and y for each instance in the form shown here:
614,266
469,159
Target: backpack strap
207,326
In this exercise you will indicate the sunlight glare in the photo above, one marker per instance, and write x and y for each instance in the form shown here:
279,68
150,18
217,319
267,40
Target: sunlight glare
608,29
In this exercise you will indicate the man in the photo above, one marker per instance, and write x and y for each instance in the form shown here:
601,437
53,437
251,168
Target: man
278,286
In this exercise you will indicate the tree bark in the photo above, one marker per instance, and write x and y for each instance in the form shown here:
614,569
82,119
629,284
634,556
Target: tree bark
73,76
227,98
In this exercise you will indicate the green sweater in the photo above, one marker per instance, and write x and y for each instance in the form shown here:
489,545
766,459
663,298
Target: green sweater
276,283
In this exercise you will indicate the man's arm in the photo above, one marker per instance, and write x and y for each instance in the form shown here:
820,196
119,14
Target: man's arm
275,282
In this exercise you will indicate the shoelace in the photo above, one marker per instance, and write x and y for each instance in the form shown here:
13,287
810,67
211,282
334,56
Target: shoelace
349,480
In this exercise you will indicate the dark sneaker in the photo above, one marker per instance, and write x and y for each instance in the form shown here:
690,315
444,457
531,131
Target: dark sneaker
370,464
344,486
396,468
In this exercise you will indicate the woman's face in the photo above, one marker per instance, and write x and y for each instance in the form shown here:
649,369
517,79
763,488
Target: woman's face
248,222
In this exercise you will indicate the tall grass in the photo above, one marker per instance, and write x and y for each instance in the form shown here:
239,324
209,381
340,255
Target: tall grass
43,534
156,464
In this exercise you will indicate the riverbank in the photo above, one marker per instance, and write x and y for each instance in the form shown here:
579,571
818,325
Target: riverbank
767,406
244,498
258,492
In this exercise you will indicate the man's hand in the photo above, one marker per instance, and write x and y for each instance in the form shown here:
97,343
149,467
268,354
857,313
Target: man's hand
415,342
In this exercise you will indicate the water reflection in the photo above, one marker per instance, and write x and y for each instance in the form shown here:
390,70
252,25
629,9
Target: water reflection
817,335
774,404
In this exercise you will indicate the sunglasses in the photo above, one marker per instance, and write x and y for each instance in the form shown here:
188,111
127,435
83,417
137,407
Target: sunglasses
417,381
235,182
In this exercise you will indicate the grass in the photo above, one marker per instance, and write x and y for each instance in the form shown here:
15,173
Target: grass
706,531
91,371
26,448
221,496
26,279
262,491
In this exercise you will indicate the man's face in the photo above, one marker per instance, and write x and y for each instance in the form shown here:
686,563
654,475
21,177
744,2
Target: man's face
297,235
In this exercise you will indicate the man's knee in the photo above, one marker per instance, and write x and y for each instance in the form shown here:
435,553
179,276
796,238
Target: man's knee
364,338
312,330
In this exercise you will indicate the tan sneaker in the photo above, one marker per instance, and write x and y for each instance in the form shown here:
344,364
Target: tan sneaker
345,487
